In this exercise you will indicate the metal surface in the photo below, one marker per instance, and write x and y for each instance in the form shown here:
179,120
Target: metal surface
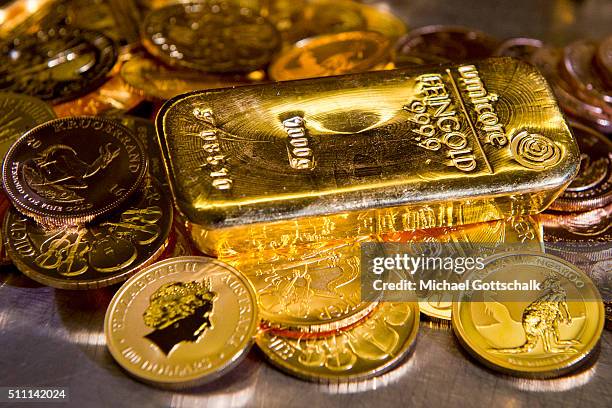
53,337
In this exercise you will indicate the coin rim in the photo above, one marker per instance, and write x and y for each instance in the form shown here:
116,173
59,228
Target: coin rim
481,37
569,365
156,51
81,216
402,354
191,381
562,203
280,60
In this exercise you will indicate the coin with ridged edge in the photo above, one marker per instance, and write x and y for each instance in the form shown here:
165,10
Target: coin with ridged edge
182,322
99,254
592,187
544,330
69,171
374,346
311,288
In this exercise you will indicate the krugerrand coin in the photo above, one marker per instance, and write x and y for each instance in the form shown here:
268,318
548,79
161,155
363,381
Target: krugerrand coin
71,170
592,187
332,54
313,288
374,346
144,130
585,236
20,113
453,43
211,36
100,254
182,322
521,48
545,325
56,65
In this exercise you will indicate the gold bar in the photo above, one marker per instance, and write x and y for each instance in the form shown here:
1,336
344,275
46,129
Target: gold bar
328,158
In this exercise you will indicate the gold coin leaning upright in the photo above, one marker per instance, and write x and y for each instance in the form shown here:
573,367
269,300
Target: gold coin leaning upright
182,322
332,54
368,349
542,332
314,288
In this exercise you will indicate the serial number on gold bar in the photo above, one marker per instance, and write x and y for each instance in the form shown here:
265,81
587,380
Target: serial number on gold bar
371,153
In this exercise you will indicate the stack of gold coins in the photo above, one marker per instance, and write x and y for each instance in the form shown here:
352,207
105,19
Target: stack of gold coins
577,226
143,139
580,75
85,213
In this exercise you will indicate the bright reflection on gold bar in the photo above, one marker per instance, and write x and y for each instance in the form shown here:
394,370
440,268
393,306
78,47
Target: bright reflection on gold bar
264,166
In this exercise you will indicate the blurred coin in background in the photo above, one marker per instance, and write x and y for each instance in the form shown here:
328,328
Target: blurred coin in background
56,65
332,54
210,36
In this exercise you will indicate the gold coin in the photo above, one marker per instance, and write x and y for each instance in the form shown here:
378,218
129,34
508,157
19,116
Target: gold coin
58,64
540,332
4,206
318,17
114,95
182,322
100,254
378,344
333,54
154,80
314,288
484,238
69,171
210,36
20,113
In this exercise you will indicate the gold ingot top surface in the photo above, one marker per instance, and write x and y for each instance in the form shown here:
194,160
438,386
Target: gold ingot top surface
458,141
544,332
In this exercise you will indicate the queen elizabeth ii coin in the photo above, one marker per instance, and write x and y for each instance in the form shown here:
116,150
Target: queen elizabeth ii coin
182,322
